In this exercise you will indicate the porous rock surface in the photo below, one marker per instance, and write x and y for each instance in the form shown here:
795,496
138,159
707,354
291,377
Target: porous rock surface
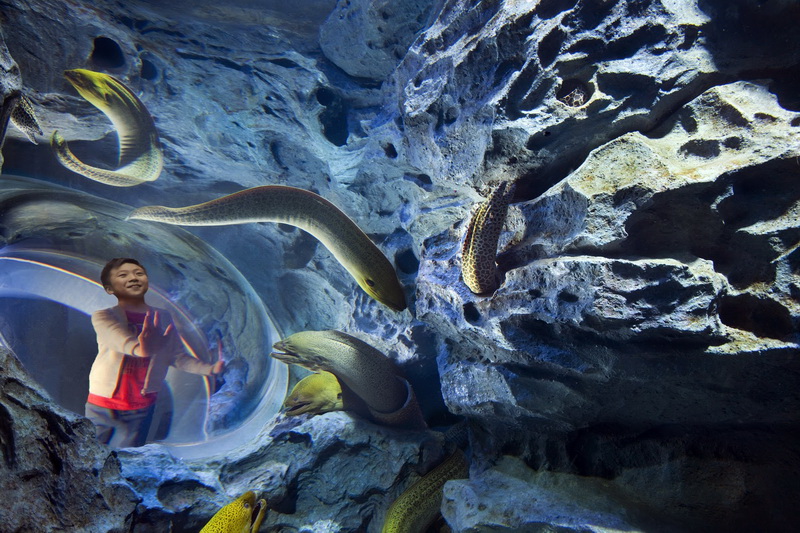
641,353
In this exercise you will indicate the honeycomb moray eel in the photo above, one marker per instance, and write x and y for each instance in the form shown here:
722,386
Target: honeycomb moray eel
308,211
478,267
372,384
420,504
314,394
23,117
140,156
242,515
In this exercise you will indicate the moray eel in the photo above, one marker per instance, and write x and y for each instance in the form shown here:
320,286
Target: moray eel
420,504
242,515
140,156
24,118
315,394
478,267
305,210
372,384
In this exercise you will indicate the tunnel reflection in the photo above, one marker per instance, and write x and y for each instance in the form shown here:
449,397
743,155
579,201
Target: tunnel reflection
55,244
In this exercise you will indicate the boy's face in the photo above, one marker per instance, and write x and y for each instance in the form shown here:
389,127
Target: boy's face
128,281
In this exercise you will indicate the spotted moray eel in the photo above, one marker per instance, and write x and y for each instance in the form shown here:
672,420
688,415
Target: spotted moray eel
478,267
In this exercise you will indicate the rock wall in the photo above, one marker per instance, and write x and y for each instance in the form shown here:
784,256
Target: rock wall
637,368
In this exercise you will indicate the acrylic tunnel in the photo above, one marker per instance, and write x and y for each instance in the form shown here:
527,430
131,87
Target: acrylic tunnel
55,242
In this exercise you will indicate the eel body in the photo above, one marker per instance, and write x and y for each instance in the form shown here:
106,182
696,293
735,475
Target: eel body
24,118
140,155
420,504
372,384
478,267
242,515
314,394
306,210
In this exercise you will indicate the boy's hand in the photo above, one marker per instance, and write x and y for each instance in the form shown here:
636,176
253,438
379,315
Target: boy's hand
153,338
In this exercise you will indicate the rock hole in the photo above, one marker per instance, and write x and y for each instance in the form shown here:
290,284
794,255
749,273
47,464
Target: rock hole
550,46
761,316
705,148
471,313
333,118
407,262
107,54
148,70
565,296
390,151
574,93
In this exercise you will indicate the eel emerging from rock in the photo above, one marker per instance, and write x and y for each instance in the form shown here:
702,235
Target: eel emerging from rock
140,156
314,394
420,504
372,384
478,267
24,118
242,515
305,210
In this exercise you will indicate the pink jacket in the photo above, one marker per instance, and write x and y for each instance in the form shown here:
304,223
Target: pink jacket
115,338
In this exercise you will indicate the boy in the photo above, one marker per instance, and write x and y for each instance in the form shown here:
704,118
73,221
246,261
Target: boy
136,345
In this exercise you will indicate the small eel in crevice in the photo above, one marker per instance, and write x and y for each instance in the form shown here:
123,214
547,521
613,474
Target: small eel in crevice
242,515
140,155
306,210
372,385
420,504
478,266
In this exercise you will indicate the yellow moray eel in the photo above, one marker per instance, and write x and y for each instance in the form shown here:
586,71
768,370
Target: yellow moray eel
372,384
140,156
308,211
420,504
315,394
242,515
24,118
478,267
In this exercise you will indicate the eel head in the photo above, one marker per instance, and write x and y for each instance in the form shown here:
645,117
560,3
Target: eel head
99,89
309,349
242,515
315,394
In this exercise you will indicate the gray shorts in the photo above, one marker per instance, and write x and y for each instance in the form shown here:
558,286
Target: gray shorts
120,429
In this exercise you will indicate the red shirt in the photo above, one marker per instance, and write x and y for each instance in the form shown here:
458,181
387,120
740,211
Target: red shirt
128,394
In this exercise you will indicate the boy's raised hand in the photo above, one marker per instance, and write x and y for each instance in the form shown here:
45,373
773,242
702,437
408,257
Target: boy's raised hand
153,337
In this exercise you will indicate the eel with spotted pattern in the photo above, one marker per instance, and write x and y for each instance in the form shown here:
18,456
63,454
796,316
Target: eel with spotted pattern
24,118
242,515
308,211
419,505
478,267
140,155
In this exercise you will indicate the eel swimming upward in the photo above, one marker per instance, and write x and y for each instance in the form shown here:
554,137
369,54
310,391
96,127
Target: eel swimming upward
140,156
242,515
478,267
372,384
308,211
315,394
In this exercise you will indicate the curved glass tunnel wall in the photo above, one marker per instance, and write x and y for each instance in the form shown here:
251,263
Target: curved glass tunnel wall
56,241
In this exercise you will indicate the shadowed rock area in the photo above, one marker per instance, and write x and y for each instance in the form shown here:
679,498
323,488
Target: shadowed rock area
637,368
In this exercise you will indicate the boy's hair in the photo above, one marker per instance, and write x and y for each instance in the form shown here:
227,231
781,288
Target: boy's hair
105,275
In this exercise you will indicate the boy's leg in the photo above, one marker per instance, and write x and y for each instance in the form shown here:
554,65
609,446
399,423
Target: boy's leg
104,423
132,428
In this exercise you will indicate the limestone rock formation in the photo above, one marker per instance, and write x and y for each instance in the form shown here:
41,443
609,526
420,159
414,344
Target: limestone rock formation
54,475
